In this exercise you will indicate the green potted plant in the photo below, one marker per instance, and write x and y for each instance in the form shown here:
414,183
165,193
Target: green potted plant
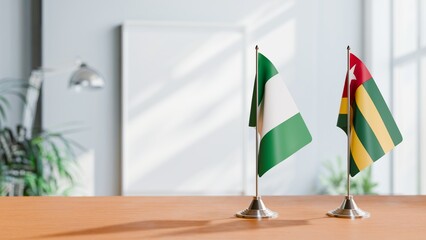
32,166
333,180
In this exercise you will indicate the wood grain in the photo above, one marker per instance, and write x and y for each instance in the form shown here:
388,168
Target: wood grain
301,217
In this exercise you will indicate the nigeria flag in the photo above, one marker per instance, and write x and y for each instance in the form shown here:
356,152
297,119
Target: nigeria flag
281,127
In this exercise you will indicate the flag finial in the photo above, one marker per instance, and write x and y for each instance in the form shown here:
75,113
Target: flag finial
348,48
257,47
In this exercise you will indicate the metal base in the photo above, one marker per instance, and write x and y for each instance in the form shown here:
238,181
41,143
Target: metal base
348,209
257,210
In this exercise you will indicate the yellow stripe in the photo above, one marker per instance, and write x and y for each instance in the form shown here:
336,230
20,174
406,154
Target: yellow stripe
373,118
344,106
360,155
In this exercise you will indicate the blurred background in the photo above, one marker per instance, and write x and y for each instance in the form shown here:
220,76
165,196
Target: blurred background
170,116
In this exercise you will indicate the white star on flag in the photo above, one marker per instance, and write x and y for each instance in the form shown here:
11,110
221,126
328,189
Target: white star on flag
351,73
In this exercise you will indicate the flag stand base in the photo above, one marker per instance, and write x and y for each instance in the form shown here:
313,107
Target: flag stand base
348,209
257,209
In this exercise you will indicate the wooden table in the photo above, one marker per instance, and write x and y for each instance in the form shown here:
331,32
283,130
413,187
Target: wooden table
301,217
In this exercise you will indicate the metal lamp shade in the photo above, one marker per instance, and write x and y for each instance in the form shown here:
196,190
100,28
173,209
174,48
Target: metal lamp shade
86,77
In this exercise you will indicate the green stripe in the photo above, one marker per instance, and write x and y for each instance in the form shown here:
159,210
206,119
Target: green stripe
252,119
383,110
282,141
266,71
366,135
353,167
342,122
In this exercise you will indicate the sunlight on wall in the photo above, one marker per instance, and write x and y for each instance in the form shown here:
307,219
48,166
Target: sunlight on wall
266,13
205,52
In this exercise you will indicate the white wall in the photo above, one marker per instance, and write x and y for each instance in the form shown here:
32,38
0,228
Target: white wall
15,47
306,39
395,54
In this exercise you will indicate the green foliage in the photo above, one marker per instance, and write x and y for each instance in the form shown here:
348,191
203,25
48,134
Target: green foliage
35,166
40,165
334,180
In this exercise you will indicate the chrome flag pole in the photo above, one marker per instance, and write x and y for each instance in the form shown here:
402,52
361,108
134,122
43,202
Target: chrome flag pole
257,208
348,208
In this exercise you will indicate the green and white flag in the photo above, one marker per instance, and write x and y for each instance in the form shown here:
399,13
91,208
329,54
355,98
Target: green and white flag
281,127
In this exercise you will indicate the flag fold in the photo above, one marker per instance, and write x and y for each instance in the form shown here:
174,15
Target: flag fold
280,125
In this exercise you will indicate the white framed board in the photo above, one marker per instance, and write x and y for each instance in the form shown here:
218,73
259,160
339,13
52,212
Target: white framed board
183,110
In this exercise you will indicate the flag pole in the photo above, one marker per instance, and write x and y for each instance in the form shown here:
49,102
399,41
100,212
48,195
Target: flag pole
348,208
257,208
348,89
257,116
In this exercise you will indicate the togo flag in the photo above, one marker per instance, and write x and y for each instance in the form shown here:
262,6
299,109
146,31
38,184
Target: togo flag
373,129
281,127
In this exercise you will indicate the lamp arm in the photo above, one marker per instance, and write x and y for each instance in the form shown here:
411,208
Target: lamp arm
31,100
32,97
58,70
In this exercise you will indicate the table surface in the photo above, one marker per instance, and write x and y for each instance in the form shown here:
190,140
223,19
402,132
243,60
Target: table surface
300,217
